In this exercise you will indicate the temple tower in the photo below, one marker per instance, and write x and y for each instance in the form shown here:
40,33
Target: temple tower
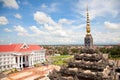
88,40
89,64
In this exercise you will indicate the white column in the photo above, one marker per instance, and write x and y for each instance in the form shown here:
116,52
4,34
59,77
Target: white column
29,60
21,61
2,68
18,61
6,67
32,60
25,58
32,57
14,61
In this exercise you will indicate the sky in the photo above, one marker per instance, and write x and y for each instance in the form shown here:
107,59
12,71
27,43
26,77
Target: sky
54,22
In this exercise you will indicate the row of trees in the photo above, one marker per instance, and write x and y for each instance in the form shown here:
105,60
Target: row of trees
63,50
113,52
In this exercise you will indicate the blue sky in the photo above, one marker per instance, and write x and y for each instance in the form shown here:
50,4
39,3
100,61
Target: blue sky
58,22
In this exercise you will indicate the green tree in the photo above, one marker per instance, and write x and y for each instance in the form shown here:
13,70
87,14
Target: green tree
115,52
74,50
65,51
104,50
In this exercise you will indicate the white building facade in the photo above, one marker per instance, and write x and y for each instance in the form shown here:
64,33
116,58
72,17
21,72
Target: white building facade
20,56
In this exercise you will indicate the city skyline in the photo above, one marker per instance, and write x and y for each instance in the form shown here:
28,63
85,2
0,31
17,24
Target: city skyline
58,22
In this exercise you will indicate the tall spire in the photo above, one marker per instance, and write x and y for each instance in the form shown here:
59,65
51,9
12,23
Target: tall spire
88,22
88,41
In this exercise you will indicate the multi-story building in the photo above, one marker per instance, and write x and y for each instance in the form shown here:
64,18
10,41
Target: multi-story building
20,56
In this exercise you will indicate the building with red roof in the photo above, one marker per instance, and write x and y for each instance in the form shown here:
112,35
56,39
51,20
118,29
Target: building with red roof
20,56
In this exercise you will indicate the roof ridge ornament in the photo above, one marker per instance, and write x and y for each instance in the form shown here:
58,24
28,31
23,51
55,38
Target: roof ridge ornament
24,46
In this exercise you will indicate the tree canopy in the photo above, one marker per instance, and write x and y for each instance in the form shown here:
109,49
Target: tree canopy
113,52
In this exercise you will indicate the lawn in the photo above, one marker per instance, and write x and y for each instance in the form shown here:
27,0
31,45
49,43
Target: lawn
60,60
62,57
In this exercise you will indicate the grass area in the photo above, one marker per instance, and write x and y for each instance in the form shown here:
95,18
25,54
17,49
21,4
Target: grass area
62,57
60,60
116,58
6,72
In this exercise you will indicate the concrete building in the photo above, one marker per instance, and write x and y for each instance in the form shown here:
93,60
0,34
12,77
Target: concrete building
20,56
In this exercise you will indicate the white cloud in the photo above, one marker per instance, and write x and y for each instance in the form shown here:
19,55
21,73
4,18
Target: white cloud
44,6
48,27
18,16
36,30
21,31
42,18
1,41
54,32
106,37
98,8
7,30
49,8
27,3
54,29
10,3
112,25
65,21
3,20
53,7
78,26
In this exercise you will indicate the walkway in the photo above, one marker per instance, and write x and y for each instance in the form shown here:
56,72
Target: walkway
31,73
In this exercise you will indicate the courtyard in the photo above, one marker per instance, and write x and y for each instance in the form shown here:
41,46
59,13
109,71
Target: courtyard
36,73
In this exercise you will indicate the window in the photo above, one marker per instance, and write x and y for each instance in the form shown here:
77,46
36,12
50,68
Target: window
16,59
27,58
4,66
24,58
8,66
24,46
12,58
7,55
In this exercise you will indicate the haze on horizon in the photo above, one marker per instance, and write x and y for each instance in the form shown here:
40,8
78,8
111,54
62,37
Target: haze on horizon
54,22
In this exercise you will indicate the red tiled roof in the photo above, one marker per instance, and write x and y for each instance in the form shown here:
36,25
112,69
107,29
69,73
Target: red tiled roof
19,48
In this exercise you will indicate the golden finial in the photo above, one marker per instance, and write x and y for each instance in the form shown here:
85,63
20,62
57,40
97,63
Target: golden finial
88,23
